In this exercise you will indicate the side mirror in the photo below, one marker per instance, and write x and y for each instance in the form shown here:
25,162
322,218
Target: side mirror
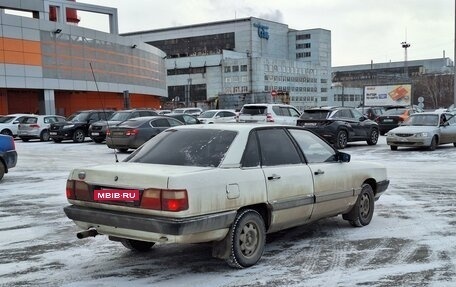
343,157
362,118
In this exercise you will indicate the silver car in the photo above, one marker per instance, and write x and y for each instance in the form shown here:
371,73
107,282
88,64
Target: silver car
37,126
428,129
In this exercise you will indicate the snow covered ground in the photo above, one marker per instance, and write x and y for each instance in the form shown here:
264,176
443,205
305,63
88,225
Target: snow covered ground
411,240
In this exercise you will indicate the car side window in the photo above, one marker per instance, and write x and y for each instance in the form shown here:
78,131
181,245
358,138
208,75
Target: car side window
277,148
284,111
315,149
251,157
94,117
160,123
357,114
173,122
293,112
189,120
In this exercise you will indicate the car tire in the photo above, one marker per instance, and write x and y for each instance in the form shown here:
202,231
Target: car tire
433,145
363,210
24,139
45,136
122,150
136,245
341,139
2,170
97,140
78,136
373,137
57,140
454,144
247,239
393,147
7,132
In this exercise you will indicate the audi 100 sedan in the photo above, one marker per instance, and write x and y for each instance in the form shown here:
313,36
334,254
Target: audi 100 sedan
229,184
424,130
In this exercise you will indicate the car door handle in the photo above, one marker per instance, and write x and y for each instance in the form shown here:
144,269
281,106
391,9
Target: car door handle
274,177
319,171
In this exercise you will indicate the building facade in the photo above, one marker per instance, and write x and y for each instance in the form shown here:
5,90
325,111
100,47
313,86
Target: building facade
50,65
427,76
244,61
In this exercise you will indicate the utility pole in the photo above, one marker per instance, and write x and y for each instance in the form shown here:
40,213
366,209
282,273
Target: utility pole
405,45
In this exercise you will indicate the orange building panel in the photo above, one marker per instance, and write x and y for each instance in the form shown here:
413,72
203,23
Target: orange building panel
10,44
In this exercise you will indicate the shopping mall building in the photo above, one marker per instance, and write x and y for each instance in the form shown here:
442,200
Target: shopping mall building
243,61
50,65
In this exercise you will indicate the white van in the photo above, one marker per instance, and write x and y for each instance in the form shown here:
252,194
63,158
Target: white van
269,113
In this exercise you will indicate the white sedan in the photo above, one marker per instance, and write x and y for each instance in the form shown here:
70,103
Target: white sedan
217,116
229,184
428,130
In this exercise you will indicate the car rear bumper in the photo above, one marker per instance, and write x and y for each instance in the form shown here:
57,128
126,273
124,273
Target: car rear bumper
150,224
61,135
10,159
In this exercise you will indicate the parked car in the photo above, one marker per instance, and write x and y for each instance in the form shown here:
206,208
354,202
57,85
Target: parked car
392,118
190,111
230,184
218,116
134,132
339,125
97,130
8,154
185,118
164,112
37,126
372,113
428,129
269,113
76,127
9,124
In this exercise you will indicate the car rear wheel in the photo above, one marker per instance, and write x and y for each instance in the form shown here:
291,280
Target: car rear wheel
24,139
341,139
363,210
2,170
393,147
136,245
44,136
373,137
78,136
248,238
433,145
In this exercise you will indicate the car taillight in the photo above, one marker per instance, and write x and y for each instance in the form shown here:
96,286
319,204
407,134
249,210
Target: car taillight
79,190
35,126
269,118
108,133
132,132
165,199
70,189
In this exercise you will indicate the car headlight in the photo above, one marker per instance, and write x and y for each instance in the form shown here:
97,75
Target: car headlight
389,134
68,127
422,135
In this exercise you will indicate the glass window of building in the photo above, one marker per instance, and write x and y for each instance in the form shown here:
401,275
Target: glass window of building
244,68
235,68
227,69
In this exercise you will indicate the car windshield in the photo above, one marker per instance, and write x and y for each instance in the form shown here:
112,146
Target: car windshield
394,112
4,120
189,147
315,115
178,111
207,114
78,117
120,116
422,120
254,110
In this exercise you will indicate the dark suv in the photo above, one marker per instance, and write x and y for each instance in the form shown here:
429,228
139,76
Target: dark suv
77,125
97,130
340,125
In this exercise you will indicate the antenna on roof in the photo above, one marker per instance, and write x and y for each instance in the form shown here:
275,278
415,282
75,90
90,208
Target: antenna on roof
102,105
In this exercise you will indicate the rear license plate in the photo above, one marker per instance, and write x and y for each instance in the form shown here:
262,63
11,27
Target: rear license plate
387,120
115,194
95,134
117,133
53,133
310,124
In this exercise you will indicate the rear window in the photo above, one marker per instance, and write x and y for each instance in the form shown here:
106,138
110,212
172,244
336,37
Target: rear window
315,115
254,110
205,148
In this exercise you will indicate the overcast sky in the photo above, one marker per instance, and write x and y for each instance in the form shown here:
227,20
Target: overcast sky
362,30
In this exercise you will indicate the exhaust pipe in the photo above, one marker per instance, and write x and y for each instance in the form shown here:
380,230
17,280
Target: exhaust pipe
87,233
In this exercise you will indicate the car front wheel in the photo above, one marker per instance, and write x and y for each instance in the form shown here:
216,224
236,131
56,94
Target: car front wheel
248,238
433,145
373,137
44,136
363,210
341,139
78,136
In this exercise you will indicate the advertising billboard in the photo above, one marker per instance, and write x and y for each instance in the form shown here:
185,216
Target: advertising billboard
390,95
